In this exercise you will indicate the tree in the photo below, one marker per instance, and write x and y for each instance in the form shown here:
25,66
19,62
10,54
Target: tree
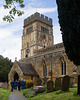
11,4
5,66
69,19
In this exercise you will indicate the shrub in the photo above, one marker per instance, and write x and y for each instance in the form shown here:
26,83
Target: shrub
74,86
28,81
75,94
30,84
28,93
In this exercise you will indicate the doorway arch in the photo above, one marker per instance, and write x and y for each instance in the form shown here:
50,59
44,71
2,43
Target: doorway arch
16,77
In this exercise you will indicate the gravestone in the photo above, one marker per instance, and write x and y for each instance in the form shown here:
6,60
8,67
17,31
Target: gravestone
58,83
39,89
5,85
65,83
1,84
39,82
50,86
78,92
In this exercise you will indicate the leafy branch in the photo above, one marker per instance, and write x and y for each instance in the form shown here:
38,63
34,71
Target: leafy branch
14,11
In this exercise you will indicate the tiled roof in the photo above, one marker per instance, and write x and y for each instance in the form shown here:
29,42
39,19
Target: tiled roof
27,69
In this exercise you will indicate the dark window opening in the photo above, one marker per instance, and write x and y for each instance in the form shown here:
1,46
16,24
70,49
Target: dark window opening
26,55
44,30
32,78
27,44
44,70
63,67
29,30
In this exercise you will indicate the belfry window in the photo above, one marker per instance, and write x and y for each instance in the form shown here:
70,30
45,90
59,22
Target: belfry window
44,30
27,44
63,66
29,30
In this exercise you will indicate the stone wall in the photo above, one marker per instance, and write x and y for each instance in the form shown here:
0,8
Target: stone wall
15,69
27,77
57,51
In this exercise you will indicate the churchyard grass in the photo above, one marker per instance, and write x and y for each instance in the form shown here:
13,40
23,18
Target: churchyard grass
58,95
4,94
28,92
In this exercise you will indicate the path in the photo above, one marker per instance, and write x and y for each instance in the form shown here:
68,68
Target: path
16,95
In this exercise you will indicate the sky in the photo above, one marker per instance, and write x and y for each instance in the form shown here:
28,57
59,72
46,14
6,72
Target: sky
11,33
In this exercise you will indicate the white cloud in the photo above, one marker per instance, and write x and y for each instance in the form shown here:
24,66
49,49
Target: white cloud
57,34
5,33
10,47
11,54
47,10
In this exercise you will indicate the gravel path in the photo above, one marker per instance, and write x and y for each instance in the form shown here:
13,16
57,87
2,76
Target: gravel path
16,95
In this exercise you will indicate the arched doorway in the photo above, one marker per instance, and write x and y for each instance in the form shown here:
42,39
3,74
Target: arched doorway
16,77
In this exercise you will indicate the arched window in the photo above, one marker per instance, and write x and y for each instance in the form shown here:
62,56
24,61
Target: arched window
63,66
44,69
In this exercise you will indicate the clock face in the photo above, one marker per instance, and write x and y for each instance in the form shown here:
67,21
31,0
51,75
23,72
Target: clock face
28,50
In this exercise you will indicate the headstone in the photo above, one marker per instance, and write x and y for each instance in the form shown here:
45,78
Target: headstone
65,83
1,84
58,83
39,89
5,85
39,82
78,92
50,86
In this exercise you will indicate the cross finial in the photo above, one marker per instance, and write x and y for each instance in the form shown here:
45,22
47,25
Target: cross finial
15,58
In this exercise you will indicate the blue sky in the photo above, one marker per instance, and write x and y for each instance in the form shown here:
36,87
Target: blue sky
11,33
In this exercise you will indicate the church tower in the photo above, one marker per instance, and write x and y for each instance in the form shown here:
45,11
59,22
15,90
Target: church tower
37,34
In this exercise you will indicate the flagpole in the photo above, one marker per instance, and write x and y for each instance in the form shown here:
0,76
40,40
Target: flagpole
36,5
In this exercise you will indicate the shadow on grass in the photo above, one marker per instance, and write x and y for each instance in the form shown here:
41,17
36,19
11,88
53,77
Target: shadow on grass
60,92
75,94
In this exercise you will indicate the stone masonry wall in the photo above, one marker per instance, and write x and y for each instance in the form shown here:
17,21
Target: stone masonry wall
57,51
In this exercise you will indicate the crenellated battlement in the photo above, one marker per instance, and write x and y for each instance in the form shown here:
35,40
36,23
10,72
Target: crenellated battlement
38,17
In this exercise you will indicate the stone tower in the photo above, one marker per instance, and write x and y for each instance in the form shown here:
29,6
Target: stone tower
37,33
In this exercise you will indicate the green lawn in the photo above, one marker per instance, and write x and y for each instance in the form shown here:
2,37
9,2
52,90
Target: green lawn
4,94
57,95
